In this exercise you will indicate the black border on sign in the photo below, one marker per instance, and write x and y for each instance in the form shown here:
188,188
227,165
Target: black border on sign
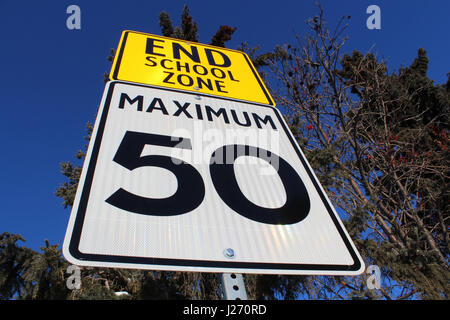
86,188
115,72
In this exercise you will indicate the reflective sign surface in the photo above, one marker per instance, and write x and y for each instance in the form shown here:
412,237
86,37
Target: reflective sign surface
179,181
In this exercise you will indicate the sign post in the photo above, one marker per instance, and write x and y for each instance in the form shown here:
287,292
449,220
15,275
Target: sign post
233,286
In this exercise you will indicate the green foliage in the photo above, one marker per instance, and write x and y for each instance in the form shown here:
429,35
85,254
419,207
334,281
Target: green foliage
409,115
13,262
27,274
68,189
44,275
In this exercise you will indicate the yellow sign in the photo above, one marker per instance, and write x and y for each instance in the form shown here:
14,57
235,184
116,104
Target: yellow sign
178,64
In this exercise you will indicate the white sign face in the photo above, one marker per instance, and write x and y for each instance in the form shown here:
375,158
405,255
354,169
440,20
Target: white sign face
186,182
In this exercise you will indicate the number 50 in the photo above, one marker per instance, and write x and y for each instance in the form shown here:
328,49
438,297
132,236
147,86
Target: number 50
191,188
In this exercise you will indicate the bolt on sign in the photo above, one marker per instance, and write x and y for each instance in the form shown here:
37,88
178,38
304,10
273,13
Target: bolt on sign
188,66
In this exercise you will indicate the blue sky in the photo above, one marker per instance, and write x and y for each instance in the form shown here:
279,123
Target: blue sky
51,78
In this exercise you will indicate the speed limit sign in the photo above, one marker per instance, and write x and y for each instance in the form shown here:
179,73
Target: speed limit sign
188,182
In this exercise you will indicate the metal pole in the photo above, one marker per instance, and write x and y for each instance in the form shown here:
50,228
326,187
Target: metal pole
233,286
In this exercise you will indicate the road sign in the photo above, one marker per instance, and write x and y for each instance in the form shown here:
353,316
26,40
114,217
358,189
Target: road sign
188,182
191,66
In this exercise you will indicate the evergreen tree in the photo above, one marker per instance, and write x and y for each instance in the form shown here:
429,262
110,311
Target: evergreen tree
14,260
406,121
27,274
223,34
187,31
